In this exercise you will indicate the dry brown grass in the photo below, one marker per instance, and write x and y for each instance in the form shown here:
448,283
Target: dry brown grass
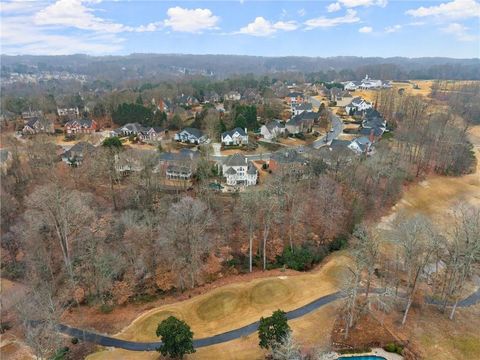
235,305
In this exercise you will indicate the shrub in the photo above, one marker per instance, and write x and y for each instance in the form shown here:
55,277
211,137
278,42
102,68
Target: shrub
303,257
74,341
106,309
4,326
338,243
60,354
394,348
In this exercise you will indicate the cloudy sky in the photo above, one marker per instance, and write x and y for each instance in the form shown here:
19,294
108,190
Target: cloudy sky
271,28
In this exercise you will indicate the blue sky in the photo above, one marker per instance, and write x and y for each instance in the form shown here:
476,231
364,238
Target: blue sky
269,28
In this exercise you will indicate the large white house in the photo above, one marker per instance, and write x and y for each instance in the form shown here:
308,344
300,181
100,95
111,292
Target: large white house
237,136
272,130
192,136
358,104
238,171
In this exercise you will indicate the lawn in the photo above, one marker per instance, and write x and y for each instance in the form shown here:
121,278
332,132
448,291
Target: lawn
235,305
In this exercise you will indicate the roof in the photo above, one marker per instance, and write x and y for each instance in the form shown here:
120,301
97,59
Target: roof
194,131
303,106
31,123
295,94
236,160
184,154
80,122
338,144
377,131
231,132
79,148
287,157
251,169
275,124
230,171
362,142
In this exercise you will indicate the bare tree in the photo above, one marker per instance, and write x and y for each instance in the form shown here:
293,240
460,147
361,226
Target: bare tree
413,236
287,349
186,229
249,207
65,212
462,253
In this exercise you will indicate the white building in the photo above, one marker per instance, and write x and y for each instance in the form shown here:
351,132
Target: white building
361,145
358,104
237,136
238,171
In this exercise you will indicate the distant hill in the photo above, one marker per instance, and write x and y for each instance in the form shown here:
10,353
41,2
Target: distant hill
220,66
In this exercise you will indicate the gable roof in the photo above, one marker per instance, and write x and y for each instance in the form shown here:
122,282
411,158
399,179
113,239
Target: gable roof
85,123
295,94
232,132
275,124
236,159
193,131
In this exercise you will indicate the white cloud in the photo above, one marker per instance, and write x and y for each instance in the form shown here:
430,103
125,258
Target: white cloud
349,18
456,9
334,7
76,13
18,36
460,32
191,20
302,12
392,29
357,3
263,27
365,29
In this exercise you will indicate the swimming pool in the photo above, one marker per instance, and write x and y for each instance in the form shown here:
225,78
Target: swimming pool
363,357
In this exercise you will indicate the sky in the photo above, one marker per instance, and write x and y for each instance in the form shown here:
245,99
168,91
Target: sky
385,28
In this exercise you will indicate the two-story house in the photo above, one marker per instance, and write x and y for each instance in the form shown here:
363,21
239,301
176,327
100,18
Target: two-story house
237,136
192,136
238,171
83,126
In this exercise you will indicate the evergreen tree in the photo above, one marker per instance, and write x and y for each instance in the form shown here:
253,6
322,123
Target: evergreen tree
272,330
177,338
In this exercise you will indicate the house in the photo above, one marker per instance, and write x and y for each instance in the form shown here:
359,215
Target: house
252,96
368,83
27,115
192,136
70,113
211,97
373,124
361,145
233,96
238,171
82,126
178,172
288,161
339,96
297,109
132,160
186,100
144,133
175,165
237,136
301,123
38,125
357,104
77,153
351,85
294,98
272,129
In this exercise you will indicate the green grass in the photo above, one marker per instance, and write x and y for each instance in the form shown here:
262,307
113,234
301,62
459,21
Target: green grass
218,305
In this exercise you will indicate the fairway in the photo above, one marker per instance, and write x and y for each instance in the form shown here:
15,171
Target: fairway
236,305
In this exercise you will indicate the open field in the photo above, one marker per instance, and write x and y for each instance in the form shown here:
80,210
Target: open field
239,304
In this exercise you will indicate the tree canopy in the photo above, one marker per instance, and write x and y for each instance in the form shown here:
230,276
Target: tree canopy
177,338
273,329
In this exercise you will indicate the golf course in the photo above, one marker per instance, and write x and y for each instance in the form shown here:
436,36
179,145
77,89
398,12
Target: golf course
236,305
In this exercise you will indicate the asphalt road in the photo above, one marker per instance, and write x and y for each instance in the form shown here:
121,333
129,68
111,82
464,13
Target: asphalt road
108,341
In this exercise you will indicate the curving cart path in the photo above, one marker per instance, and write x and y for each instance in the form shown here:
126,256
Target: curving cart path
108,341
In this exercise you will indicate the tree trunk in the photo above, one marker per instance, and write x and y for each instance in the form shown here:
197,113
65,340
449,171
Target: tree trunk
409,303
452,314
250,252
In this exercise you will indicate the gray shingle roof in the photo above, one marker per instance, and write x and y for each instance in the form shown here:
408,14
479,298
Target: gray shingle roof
231,132
236,160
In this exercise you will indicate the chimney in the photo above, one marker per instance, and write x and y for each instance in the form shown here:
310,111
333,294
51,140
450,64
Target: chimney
245,131
372,135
